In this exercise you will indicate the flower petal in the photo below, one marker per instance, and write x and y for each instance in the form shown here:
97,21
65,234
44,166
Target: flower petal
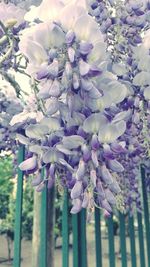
28,164
52,124
36,131
94,123
52,156
52,106
115,166
77,206
73,141
111,132
76,191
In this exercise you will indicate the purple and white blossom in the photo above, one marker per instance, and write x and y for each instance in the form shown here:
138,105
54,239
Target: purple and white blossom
87,119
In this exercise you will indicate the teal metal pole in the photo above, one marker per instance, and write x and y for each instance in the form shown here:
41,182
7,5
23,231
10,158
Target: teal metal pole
75,240
65,232
43,228
82,239
132,241
141,240
123,240
111,242
79,239
98,244
18,213
146,214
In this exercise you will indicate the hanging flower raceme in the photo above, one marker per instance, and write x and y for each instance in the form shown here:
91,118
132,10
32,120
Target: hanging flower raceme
123,36
76,140
103,13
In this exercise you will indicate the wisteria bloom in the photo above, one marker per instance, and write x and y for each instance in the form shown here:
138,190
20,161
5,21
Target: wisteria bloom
77,139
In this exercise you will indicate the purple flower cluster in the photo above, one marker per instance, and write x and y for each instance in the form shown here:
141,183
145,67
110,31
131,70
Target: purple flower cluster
76,141
87,121
102,11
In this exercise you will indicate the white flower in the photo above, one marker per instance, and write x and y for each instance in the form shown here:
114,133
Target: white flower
47,10
37,40
11,15
50,9
23,117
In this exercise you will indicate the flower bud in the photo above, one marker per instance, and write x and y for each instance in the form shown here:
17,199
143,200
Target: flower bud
106,175
81,170
77,190
86,153
85,201
85,48
114,187
71,54
77,206
100,190
28,164
110,197
115,166
68,70
70,37
105,205
93,177
94,158
95,143
76,82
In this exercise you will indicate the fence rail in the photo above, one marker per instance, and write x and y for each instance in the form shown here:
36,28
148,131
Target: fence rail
79,232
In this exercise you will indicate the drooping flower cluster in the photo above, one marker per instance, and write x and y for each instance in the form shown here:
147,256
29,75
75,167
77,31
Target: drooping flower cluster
129,20
86,123
77,139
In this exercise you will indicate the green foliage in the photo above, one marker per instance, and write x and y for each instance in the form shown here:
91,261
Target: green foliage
7,201
58,216
6,184
27,215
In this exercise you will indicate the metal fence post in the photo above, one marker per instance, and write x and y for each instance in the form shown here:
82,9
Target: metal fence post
18,213
98,244
111,242
75,240
43,228
132,241
65,232
141,240
79,239
123,240
146,214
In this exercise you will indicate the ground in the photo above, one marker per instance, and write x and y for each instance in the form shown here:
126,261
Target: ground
27,251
